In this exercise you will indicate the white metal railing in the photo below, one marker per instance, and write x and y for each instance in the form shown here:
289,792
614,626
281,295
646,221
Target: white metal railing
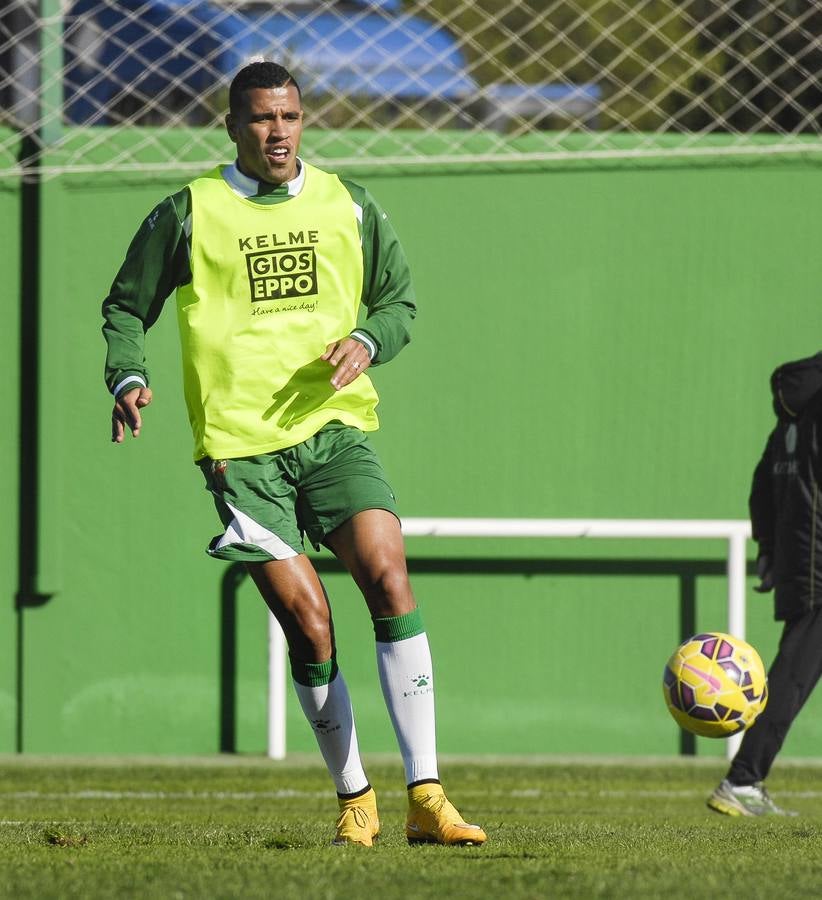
735,531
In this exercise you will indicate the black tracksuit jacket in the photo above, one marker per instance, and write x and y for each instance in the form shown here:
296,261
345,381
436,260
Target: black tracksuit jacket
785,501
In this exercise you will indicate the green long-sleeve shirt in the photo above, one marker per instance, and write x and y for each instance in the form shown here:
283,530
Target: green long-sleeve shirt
158,262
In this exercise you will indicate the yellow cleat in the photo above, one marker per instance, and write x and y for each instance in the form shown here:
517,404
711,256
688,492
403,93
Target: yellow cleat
432,819
358,822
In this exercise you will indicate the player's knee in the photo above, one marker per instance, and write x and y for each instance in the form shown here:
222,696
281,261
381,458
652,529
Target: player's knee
315,625
388,591
308,633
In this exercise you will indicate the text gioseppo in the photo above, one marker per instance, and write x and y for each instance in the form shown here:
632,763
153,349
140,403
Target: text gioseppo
277,274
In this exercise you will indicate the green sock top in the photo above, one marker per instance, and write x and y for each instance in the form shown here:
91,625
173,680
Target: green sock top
313,674
398,628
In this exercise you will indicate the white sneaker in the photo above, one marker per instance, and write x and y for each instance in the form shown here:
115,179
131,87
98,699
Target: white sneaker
744,800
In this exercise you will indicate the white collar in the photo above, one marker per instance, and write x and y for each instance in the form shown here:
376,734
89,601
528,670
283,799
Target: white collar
246,187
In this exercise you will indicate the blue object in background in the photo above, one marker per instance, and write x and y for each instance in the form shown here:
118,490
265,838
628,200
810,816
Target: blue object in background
366,54
127,55
164,57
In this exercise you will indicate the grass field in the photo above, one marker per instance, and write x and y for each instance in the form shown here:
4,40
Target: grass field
248,828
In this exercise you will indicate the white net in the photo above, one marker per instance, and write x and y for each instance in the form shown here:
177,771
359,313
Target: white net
106,84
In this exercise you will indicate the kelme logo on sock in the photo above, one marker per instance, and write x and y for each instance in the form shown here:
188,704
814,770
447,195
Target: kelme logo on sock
422,685
321,726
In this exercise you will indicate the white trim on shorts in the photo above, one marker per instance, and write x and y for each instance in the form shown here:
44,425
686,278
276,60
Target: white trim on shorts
242,529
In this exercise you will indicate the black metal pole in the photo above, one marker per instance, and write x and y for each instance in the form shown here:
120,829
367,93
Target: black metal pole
230,583
687,629
28,413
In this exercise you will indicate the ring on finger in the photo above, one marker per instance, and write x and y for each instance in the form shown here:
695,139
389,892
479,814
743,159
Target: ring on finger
355,365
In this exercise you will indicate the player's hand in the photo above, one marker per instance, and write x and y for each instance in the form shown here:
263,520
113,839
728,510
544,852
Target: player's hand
764,571
349,358
126,412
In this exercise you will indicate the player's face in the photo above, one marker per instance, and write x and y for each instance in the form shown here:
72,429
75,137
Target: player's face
267,131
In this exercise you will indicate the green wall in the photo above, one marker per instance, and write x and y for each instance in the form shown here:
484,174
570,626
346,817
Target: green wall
591,342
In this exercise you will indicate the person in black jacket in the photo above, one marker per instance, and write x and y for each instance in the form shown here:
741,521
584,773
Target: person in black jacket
786,518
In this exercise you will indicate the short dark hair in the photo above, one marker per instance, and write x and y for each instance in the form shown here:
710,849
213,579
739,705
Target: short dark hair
261,74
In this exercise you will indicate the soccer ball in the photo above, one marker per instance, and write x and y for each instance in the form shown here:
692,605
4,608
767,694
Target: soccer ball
715,685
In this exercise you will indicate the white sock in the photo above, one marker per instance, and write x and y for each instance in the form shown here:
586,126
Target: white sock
407,683
330,715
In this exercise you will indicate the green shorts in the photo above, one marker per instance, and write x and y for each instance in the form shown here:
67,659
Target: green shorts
267,503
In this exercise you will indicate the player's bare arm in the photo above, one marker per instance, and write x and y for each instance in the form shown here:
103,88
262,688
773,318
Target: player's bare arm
349,358
126,412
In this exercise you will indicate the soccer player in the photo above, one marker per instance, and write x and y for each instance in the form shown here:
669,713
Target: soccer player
271,258
786,519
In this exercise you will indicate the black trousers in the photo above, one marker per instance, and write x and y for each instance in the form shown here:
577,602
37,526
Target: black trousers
791,679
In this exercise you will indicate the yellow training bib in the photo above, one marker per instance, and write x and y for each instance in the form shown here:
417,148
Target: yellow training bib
272,287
